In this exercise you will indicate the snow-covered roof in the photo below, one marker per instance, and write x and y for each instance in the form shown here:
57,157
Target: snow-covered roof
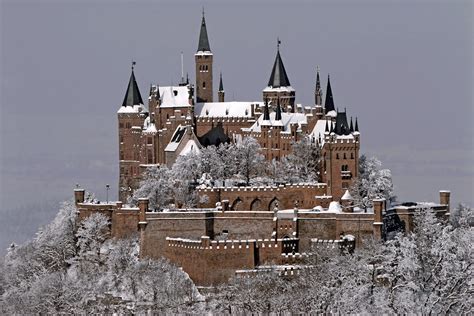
174,96
331,113
225,109
138,108
286,120
191,146
279,89
347,196
203,53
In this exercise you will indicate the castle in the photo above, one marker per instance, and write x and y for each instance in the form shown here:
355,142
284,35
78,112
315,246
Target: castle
240,229
177,122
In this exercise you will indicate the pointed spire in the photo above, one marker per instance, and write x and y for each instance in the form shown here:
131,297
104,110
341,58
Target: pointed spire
329,103
351,127
318,93
132,96
356,126
221,86
266,112
203,40
278,78
278,111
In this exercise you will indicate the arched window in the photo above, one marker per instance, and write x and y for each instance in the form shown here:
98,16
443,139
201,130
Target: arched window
204,84
345,156
337,156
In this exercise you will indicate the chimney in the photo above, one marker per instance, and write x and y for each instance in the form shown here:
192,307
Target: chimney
205,241
79,195
444,197
378,221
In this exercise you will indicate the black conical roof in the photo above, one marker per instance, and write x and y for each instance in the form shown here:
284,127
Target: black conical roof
132,96
203,40
278,78
329,103
221,86
342,128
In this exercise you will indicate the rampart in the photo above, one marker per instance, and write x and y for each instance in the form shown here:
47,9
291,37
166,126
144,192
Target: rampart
263,198
213,262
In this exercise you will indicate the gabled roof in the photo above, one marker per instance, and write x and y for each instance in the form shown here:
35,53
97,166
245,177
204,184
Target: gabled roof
278,78
132,96
174,96
203,40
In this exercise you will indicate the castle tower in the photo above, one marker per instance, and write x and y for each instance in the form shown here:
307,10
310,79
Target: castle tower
221,92
203,59
131,117
279,85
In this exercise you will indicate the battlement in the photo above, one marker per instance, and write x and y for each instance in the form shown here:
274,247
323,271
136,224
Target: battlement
205,243
271,188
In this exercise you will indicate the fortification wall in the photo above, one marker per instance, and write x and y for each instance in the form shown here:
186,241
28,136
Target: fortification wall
243,225
263,198
330,226
214,262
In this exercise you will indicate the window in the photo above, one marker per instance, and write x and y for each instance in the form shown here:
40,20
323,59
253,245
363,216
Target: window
345,156
204,84
149,140
345,185
121,138
337,156
150,157
122,157
128,125
120,125
352,155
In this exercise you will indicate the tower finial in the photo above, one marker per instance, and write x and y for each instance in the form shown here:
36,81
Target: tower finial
133,64
278,43
202,11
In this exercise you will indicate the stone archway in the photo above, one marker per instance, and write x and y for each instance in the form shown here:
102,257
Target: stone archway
237,205
256,205
273,203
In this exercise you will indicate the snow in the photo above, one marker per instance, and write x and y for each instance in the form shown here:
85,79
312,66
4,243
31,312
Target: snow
225,109
131,109
334,207
208,53
319,129
347,196
173,96
279,89
149,128
286,120
190,146
332,113
318,208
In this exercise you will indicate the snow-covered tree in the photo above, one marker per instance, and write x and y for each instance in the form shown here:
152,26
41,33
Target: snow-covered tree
250,162
371,183
302,165
156,186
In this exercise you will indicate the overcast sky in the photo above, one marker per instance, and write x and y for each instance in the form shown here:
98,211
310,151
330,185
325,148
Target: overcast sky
404,68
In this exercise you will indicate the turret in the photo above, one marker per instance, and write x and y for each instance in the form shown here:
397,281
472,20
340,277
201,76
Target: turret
279,85
318,92
221,92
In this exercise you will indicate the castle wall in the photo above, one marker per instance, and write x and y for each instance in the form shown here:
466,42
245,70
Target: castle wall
263,198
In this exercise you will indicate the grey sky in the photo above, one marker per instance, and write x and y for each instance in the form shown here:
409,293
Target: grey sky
404,68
